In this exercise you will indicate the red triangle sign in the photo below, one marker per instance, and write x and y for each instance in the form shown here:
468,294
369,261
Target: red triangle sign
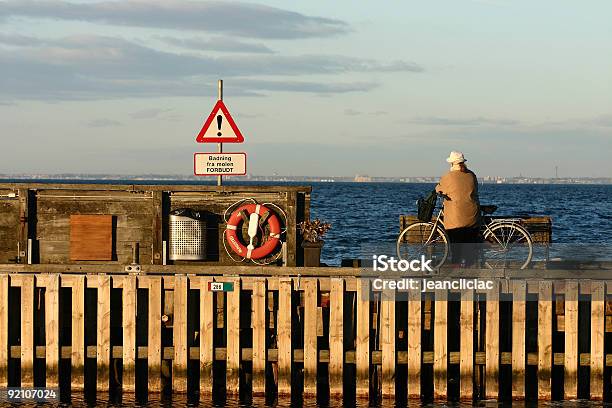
220,127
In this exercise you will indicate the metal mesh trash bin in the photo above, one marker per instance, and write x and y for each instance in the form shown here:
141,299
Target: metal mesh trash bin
187,236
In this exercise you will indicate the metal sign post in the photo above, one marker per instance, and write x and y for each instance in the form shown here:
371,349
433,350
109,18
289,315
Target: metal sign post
219,128
220,145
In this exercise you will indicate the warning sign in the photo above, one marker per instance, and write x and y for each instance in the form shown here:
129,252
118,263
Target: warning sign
219,164
220,127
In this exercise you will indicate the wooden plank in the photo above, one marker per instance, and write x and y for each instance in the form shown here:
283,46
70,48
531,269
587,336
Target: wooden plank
77,354
363,339
260,346
91,237
283,333
130,287
387,343
414,344
570,388
336,338
157,228
545,355
22,231
492,343
232,381
206,336
207,327
311,289
519,297
440,363
292,244
598,297
154,348
52,331
466,346
179,363
27,331
4,344
103,349
78,333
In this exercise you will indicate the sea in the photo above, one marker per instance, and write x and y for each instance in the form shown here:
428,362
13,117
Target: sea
366,214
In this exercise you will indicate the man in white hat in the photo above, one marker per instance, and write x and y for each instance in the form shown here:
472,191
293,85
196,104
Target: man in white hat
461,209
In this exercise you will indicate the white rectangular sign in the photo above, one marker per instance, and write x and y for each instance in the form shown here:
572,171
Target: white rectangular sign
219,164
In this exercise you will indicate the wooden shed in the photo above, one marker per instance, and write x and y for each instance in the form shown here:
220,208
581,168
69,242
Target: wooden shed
53,223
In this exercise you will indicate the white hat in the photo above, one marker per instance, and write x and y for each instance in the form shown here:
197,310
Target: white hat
456,157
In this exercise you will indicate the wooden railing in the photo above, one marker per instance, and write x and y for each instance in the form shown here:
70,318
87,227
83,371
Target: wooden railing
288,334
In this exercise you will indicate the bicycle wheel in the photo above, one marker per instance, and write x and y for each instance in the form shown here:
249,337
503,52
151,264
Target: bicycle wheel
419,239
507,245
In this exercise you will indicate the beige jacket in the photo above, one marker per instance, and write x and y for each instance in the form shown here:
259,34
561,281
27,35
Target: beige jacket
462,210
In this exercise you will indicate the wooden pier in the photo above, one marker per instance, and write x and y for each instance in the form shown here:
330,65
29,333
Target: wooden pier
90,301
305,330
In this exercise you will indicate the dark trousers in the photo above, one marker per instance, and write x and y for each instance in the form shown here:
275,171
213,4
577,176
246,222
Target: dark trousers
464,245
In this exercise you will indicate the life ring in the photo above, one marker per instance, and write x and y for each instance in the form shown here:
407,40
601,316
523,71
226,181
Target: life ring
254,211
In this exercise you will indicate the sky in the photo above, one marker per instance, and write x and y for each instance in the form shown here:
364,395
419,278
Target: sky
317,87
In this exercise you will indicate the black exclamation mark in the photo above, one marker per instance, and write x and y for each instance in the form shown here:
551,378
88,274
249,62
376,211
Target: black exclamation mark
219,121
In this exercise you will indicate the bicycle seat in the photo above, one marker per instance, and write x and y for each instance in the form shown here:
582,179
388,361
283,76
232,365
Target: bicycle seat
488,209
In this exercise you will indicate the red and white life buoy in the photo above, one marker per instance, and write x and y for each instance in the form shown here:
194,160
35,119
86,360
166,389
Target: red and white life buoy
254,211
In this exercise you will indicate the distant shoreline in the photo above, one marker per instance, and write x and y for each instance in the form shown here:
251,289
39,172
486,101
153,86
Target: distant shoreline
144,178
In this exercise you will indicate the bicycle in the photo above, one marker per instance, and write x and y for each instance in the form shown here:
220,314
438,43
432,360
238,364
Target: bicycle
505,243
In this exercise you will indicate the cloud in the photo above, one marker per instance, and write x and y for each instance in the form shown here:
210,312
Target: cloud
249,115
103,122
149,113
223,44
353,112
232,18
305,86
599,121
94,67
477,121
19,40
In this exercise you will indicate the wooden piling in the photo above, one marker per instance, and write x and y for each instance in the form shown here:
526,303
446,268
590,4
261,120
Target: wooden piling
179,363
414,344
598,331
78,333
570,388
233,338
311,357
545,355
283,333
260,346
27,331
130,295
362,346
440,362
103,349
519,298
387,342
492,353
154,340
207,352
52,331
4,322
336,337
466,346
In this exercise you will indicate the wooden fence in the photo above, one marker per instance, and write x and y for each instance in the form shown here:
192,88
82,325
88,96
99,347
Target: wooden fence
277,334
